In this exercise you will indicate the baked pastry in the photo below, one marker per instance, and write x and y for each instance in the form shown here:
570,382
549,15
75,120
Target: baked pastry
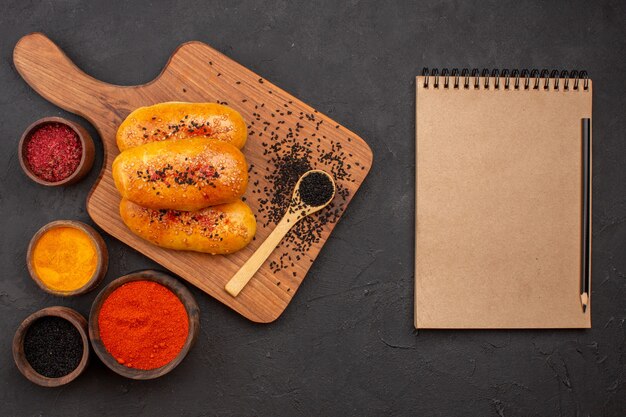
220,229
179,120
186,174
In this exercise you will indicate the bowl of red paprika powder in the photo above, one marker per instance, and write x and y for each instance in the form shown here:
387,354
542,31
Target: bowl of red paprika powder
54,151
142,325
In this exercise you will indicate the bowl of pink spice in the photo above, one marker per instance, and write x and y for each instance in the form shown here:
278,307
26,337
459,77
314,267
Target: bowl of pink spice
54,151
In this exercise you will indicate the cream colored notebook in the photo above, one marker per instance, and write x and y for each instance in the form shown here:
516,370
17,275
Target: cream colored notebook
499,200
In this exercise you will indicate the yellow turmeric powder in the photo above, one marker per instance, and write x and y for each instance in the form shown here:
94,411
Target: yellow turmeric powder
65,258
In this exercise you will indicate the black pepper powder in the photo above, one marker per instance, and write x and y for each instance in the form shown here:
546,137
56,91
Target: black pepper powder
53,346
315,189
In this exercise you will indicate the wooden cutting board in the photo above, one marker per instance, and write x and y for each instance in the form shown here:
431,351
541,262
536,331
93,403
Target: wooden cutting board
279,124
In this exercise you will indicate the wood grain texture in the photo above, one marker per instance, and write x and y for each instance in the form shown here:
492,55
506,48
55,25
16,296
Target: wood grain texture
198,73
296,212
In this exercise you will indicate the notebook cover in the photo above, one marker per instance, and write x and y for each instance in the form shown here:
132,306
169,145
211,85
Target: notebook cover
499,207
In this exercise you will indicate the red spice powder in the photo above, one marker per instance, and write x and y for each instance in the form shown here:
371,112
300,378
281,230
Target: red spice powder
143,325
53,152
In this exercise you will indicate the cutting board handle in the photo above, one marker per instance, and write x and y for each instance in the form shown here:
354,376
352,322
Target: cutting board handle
46,68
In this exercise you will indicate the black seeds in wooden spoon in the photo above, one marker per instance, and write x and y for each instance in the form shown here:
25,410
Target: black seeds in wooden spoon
315,189
53,346
292,151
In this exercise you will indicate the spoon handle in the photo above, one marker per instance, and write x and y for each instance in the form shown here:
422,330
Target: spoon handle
247,271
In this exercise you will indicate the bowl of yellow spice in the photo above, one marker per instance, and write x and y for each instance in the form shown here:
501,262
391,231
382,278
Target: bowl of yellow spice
67,257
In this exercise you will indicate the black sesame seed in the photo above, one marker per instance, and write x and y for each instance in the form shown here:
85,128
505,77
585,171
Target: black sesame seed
316,189
53,346
291,152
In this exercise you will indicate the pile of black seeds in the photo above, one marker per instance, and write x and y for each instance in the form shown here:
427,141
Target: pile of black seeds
290,152
315,189
53,346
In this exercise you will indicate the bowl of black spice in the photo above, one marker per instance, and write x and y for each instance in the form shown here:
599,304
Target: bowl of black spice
51,347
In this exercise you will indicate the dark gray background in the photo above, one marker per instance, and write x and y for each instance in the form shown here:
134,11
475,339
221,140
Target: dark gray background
346,344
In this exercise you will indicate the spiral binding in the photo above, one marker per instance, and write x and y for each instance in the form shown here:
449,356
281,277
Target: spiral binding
514,79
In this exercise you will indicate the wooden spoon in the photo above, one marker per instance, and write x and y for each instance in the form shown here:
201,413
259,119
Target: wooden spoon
297,211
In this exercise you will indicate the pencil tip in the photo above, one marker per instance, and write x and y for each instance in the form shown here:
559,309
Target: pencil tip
584,300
